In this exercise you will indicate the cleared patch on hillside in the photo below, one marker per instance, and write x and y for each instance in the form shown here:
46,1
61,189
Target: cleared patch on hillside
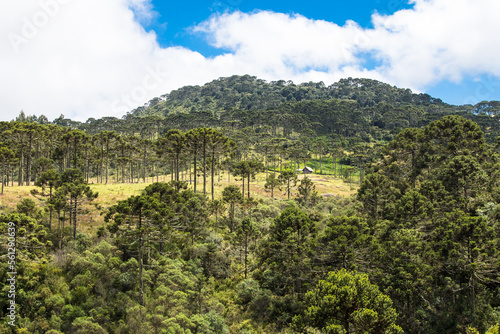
91,216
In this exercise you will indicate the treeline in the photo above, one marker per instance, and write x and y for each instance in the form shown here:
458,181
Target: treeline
353,108
416,251
29,149
368,107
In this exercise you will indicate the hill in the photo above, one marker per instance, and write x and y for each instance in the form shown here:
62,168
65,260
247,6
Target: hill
250,93
352,108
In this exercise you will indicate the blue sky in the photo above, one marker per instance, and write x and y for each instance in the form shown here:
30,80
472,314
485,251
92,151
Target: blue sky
94,58
174,19
173,26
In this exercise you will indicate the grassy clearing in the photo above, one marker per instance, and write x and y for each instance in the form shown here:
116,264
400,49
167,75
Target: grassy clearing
91,216
326,167
13,195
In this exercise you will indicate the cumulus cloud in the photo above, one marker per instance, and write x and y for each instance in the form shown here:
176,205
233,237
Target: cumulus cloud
280,46
70,56
94,58
437,40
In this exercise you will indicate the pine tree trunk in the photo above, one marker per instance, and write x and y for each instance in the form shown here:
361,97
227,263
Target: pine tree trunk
172,167
28,163
70,211
37,156
213,173
243,186
195,170
123,172
20,181
3,175
204,165
88,168
248,186
144,166
138,172
74,219
141,283
107,161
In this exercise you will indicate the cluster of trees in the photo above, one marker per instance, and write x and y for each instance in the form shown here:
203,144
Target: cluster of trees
161,264
29,150
67,191
200,155
435,197
285,122
416,251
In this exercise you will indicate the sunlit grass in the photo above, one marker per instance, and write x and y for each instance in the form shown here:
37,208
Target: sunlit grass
91,215
13,195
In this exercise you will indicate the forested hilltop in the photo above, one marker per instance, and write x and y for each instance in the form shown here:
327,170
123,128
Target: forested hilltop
361,108
249,93
194,215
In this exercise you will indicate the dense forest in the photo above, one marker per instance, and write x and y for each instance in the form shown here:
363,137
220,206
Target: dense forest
191,214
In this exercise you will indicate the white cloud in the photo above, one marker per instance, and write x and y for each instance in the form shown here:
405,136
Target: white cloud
438,39
278,46
91,58
76,61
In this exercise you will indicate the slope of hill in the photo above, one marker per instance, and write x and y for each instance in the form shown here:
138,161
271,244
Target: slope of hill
249,93
360,108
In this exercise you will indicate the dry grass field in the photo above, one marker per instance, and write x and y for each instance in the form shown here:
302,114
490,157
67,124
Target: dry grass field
90,217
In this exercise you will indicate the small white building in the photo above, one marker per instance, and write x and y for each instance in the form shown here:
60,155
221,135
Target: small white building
307,170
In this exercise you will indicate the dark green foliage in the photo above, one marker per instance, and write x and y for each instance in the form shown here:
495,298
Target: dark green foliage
28,207
377,196
345,243
285,254
28,236
437,254
249,93
217,207
346,302
308,196
247,170
245,234
232,196
74,186
6,157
